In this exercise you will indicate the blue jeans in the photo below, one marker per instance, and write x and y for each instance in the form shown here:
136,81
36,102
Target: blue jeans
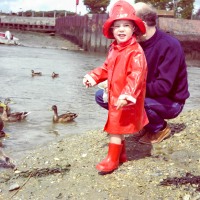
157,109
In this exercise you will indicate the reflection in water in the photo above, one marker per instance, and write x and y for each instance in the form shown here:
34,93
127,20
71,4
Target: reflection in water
37,94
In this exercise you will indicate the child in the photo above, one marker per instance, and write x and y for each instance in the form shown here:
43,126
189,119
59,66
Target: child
125,69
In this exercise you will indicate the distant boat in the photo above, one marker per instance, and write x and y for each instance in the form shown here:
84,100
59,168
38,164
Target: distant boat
8,38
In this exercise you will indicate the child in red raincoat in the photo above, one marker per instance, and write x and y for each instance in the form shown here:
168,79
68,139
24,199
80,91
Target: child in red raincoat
125,69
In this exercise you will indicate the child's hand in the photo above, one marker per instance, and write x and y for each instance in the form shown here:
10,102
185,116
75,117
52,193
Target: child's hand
121,103
86,82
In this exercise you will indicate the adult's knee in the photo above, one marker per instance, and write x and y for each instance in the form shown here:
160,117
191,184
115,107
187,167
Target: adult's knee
99,99
99,96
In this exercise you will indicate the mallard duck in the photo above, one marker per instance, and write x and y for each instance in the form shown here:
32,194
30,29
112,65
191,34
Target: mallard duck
54,75
66,117
6,102
2,107
13,117
36,73
2,133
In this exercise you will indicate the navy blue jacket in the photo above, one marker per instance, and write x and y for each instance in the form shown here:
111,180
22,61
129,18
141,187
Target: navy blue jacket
167,70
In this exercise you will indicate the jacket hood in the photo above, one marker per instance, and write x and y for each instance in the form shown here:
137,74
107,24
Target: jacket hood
121,10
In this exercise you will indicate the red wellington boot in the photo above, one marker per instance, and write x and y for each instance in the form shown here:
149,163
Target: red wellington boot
123,157
112,160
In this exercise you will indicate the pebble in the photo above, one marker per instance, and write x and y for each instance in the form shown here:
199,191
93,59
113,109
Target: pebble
14,186
187,197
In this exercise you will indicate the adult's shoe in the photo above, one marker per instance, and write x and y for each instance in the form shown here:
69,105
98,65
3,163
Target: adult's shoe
152,138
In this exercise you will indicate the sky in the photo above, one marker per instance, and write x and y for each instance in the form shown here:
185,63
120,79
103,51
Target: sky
46,5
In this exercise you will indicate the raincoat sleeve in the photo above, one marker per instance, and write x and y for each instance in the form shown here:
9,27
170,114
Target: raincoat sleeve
97,75
136,78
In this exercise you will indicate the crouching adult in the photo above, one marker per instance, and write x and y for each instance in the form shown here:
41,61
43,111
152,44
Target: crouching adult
167,80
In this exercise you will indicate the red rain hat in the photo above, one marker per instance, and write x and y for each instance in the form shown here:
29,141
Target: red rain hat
122,10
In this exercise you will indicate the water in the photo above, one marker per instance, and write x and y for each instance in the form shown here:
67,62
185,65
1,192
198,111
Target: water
38,94
194,87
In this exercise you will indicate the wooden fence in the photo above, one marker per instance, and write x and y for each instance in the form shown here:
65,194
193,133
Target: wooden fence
86,31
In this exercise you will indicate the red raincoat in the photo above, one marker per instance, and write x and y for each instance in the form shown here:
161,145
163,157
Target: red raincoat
125,69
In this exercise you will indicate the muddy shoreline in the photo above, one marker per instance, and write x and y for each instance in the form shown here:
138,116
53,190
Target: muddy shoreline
66,169
43,40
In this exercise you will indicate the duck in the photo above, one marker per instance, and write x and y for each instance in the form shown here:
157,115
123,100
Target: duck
54,75
5,103
2,107
63,118
2,133
36,73
13,117
5,161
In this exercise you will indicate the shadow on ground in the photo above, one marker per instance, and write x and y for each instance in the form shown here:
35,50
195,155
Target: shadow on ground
136,150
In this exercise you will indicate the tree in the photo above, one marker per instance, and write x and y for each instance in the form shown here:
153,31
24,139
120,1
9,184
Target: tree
183,8
96,6
197,14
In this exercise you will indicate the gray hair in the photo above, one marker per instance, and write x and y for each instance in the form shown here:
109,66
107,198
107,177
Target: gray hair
147,13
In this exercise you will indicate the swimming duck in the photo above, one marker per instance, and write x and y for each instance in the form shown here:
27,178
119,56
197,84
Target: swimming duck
36,73
6,102
66,117
1,107
13,117
54,75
